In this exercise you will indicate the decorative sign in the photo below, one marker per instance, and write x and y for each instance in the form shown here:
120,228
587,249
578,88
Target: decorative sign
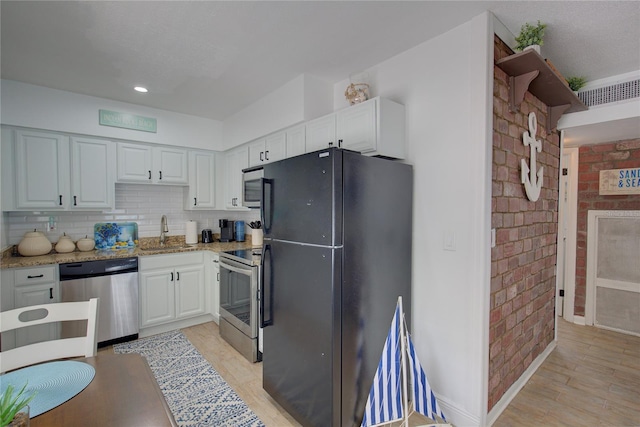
620,181
532,181
127,121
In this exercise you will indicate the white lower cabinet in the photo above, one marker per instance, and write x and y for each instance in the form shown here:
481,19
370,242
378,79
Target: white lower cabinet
190,291
172,287
35,286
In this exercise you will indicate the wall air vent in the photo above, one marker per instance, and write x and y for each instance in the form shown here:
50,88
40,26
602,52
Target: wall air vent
614,93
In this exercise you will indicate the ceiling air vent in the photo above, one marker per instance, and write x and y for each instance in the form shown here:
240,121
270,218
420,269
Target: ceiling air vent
613,93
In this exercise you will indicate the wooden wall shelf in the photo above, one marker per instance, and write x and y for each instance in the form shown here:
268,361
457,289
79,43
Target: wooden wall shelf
528,70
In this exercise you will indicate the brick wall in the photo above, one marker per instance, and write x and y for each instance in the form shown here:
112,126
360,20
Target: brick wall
523,262
593,159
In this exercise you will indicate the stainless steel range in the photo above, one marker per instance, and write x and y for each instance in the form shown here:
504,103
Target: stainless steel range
239,296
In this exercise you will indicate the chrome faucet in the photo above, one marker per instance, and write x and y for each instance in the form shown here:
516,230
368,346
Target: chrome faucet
163,229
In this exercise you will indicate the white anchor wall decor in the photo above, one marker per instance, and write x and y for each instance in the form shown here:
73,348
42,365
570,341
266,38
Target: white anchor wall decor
532,181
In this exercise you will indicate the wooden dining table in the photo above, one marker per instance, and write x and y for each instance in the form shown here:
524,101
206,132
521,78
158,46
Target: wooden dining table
123,393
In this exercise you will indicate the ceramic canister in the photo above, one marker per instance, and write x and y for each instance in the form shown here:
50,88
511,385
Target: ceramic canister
34,243
65,244
86,244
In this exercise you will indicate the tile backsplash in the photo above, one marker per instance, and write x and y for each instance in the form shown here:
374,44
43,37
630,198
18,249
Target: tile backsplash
143,204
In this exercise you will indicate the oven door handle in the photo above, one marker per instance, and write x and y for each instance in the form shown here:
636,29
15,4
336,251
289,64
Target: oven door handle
246,272
263,284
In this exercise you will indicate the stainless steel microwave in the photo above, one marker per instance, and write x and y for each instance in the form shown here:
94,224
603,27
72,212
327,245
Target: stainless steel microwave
252,187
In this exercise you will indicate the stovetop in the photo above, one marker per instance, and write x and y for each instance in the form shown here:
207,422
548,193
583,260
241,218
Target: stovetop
245,256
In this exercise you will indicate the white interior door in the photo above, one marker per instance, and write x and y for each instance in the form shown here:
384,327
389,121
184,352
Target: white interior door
567,237
613,270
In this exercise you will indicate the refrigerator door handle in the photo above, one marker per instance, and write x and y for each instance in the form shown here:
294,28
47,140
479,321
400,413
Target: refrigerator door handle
266,207
264,322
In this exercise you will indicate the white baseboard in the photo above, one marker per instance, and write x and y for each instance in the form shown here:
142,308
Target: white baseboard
457,416
185,323
579,320
517,386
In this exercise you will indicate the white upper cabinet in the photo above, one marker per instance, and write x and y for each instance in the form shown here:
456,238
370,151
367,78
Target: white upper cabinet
375,127
93,176
356,127
237,159
256,152
321,133
296,140
134,162
170,165
268,149
148,164
55,172
42,170
201,194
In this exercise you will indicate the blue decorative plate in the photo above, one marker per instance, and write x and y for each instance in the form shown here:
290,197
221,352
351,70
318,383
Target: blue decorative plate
113,235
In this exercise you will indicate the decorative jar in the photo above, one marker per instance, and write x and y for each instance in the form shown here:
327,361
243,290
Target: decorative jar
34,243
86,244
65,244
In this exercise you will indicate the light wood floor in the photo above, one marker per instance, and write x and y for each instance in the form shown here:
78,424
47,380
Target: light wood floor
592,378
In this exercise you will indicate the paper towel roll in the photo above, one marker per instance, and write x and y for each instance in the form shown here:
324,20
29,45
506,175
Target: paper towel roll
191,233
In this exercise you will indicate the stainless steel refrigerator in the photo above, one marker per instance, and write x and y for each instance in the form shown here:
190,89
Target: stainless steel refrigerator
336,256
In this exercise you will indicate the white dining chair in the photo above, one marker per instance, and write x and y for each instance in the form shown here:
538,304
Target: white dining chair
55,349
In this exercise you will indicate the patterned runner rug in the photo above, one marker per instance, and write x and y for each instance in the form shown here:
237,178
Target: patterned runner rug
196,394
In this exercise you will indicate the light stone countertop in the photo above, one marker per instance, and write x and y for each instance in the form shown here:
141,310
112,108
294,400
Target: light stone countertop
174,244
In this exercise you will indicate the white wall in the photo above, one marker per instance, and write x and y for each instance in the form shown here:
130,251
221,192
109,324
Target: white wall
303,98
446,85
43,108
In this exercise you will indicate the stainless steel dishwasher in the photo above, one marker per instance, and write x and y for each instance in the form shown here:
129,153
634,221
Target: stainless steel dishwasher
115,282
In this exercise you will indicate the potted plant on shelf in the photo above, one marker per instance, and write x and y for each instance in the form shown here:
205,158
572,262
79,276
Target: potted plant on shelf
576,83
531,36
12,407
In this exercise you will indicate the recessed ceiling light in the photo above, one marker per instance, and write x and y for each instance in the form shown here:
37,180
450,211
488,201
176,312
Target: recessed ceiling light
141,89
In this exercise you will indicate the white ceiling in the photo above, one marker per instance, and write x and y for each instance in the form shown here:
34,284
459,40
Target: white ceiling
213,58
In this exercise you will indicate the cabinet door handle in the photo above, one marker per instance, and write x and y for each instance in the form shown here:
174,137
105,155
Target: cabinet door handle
172,276
75,200
261,158
50,293
178,276
218,279
60,196
339,143
149,174
35,277
330,143
195,202
266,155
160,175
